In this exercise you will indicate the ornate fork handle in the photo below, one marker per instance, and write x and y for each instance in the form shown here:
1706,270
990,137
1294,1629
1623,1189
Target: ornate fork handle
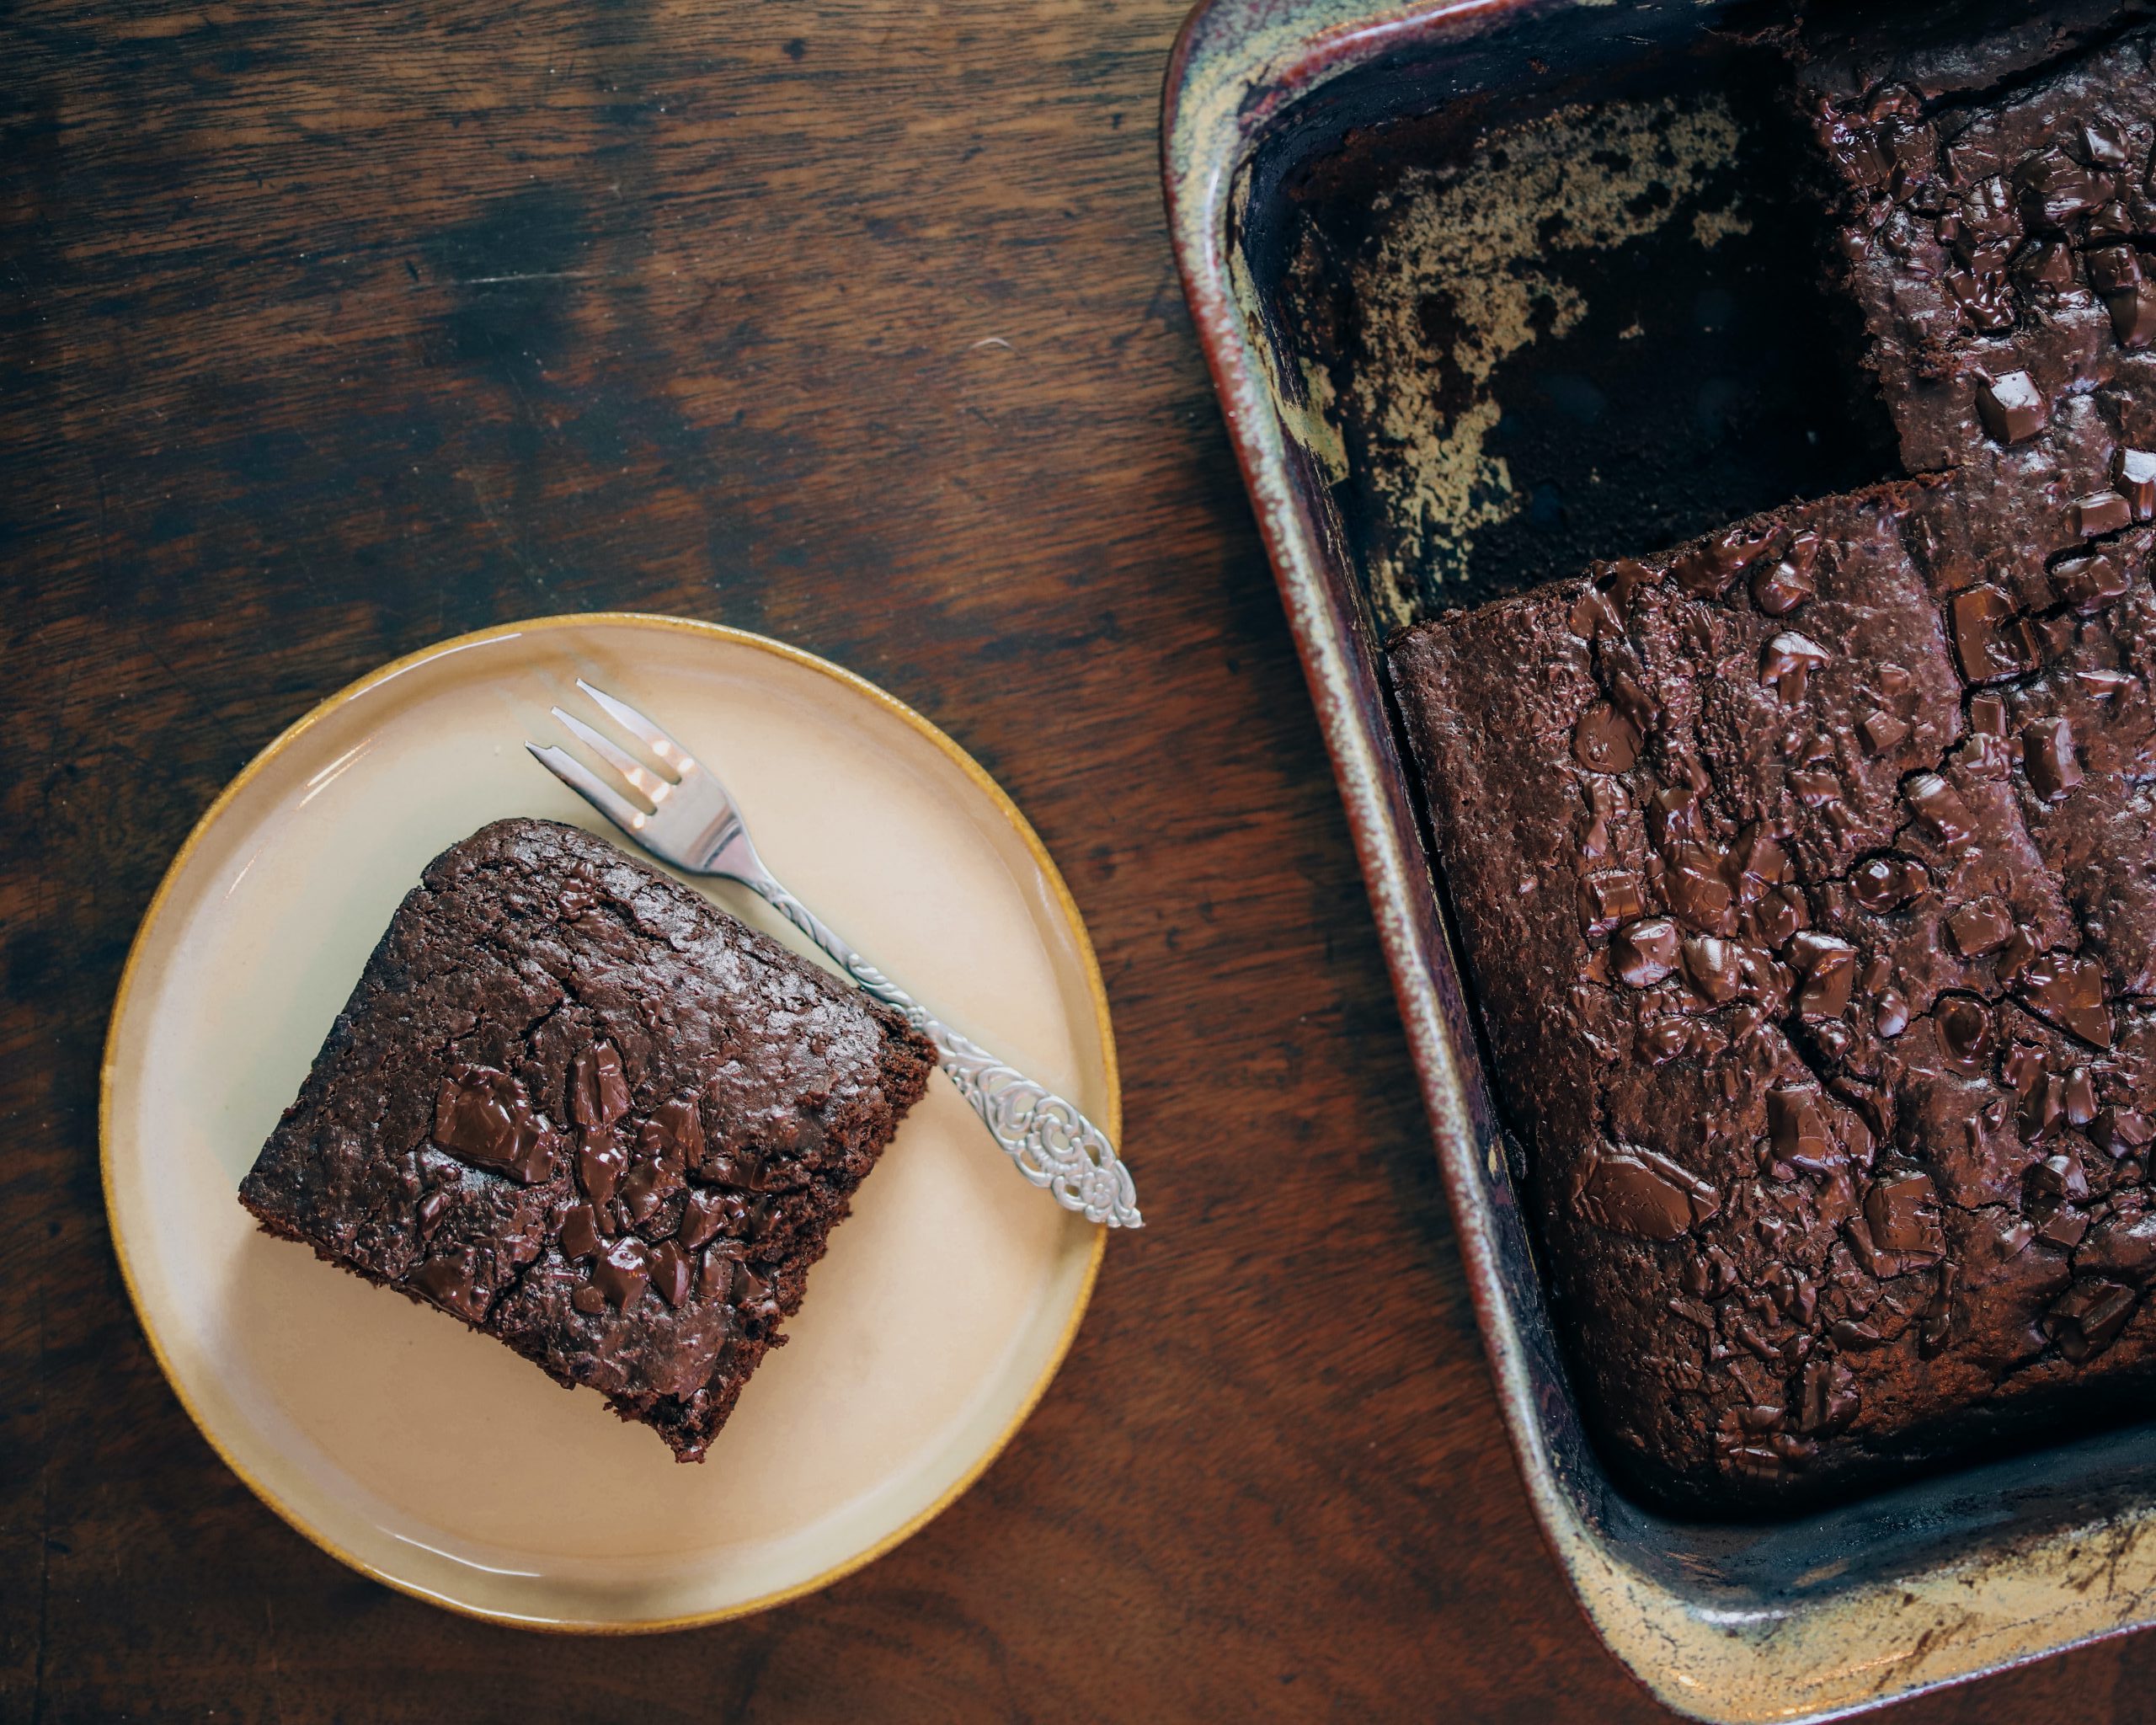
1051,1142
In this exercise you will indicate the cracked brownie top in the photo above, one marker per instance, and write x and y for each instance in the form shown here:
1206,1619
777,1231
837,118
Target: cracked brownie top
1812,964
573,1104
1807,874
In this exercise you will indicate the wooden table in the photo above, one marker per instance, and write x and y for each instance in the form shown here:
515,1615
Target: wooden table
333,331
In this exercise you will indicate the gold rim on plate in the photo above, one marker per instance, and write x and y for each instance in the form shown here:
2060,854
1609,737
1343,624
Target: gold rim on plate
740,638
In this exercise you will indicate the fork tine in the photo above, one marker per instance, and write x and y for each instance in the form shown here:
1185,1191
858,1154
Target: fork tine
634,771
670,753
587,785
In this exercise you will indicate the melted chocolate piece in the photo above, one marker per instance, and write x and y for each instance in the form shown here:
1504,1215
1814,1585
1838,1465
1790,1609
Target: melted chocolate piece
2011,408
2051,189
1965,1032
1891,1013
579,1236
1699,892
1665,1039
1638,1192
1992,639
2069,992
2048,757
1940,807
742,1170
2080,1097
2102,146
1797,1119
452,1282
1775,918
2019,952
703,1217
433,1208
1620,580
2088,584
1828,968
672,1271
1595,618
1882,732
1979,926
1711,964
1645,952
1604,741
2112,269
1901,1211
485,1118
2042,1107
650,1182
1828,1400
2133,473
1788,660
622,1272
1607,899
2099,513
1884,884
770,1175
2088,1317
2120,1132
1707,569
674,1135
752,1295
601,1162
1779,587
2065,1227
599,1090
2133,315
2045,264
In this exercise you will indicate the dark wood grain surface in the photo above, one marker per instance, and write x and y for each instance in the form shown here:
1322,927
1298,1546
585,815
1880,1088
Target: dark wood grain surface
326,331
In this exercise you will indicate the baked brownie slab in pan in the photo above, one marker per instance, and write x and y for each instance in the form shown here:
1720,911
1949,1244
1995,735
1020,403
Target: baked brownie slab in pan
1503,295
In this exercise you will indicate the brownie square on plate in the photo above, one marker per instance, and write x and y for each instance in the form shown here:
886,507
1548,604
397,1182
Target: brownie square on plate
574,1104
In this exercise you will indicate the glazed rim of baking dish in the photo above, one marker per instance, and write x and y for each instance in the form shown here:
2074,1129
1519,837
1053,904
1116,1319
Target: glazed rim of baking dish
1931,1584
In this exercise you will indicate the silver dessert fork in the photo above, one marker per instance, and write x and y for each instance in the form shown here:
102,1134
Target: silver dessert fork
692,823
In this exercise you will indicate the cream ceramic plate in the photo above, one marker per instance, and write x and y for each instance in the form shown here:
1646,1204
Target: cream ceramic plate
435,1459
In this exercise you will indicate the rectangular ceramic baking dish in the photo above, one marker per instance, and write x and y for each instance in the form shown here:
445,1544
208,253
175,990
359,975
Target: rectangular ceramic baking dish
1270,107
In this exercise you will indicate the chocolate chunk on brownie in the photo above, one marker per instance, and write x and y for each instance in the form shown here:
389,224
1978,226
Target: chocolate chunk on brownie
575,1105
1793,993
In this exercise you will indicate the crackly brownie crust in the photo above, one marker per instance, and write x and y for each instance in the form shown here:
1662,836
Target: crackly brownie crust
1808,879
1836,1096
574,1104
